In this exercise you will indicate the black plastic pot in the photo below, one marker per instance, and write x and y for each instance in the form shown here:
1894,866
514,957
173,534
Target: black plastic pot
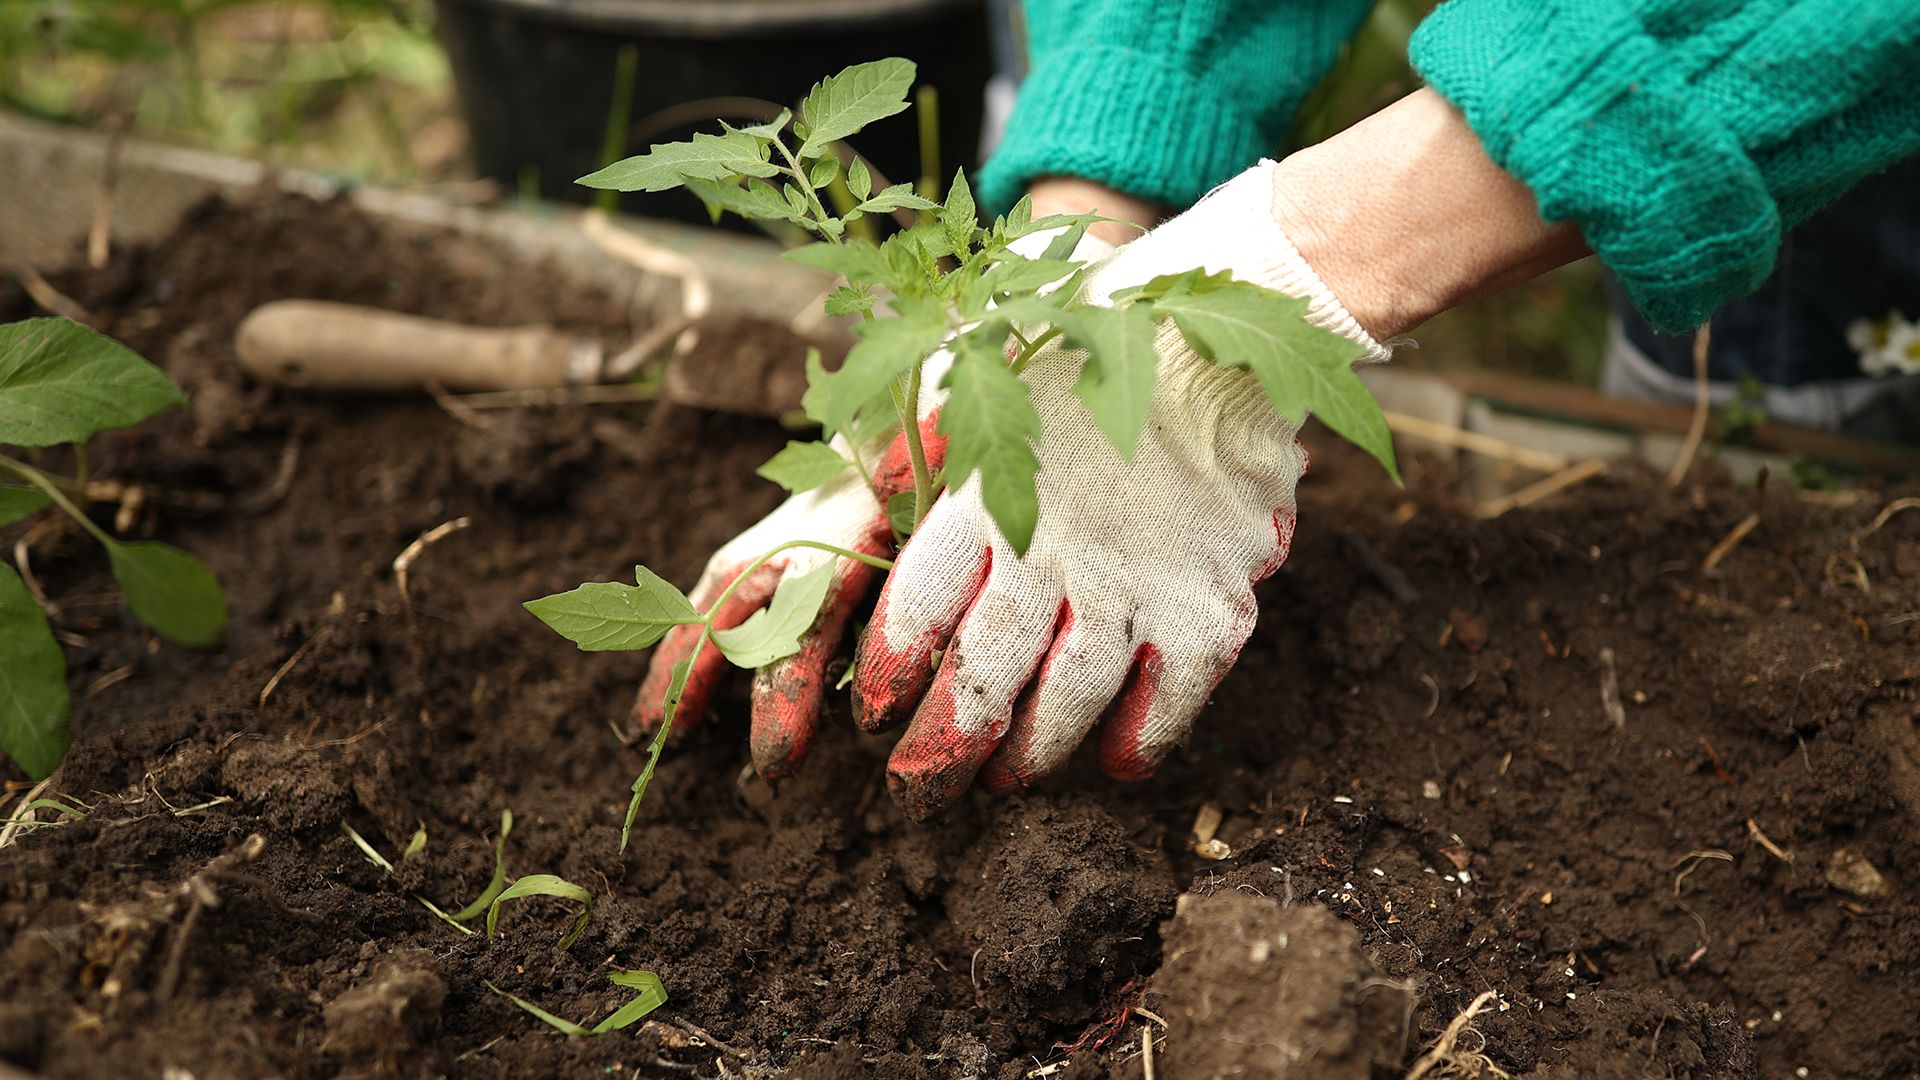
536,77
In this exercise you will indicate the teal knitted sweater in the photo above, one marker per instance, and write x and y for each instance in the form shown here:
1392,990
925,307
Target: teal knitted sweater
1682,135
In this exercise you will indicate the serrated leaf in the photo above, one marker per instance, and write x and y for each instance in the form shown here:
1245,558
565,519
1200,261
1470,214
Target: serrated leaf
1052,221
1116,383
20,503
960,216
897,197
1303,368
669,165
1195,282
859,262
544,885
832,226
886,348
773,633
823,172
847,301
859,179
1018,275
1019,217
1063,246
33,682
772,128
61,382
653,994
757,199
609,615
990,424
803,466
171,591
843,104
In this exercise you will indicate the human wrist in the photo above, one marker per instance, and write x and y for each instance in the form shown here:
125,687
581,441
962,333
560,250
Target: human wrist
1404,216
1072,195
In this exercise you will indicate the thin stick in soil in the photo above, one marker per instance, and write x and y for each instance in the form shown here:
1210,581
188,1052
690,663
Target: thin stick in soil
1701,400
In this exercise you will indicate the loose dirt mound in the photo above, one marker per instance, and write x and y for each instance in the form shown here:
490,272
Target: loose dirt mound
1646,898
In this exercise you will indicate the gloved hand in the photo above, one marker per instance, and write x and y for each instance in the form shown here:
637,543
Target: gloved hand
1136,593
845,513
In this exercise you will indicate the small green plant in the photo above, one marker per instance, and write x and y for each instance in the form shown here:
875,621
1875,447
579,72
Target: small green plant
951,284
652,995
61,382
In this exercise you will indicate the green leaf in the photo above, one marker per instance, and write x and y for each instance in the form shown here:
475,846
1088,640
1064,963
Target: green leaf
19,503
803,466
416,845
848,301
566,1026
609,615
859,262
653,994
1016,276
1193,282
990,424
887,347
61,382
366,848
668,165
757,199
499,881
894,198
823,172
544,885
1018,217
843,104
797,200
1063,246
859,180
33,682
900,512
1116,384
441,915
1029,225
171,591
774,632
1303,368
772,128
960,216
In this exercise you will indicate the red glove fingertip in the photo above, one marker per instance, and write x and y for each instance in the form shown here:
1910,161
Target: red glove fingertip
1122,755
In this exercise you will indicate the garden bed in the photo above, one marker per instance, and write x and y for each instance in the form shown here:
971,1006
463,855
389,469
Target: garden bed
1648,890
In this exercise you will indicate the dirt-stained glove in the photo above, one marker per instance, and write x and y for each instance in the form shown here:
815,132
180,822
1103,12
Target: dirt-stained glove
1136,593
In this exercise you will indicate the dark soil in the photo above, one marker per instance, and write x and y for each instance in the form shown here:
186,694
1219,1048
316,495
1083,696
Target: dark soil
1440,774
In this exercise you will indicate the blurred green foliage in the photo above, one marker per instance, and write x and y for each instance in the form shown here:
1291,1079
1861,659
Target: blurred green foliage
351,86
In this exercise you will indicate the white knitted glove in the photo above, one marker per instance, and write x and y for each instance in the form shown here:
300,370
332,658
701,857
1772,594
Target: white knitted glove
1136,593
845,513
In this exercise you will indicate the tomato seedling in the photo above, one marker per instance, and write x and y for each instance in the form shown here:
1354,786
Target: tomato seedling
951,284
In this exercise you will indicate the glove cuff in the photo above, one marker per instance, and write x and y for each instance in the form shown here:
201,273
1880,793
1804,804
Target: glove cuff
1233,229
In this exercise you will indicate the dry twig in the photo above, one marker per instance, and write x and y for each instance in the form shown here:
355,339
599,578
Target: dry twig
1701,399
1487,445
1760,838
405,559
1730,541
1892,508
1610,691
1552,485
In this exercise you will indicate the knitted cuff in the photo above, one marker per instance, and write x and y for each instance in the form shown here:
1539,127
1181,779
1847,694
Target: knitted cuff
1233,229
1107,113
1605,122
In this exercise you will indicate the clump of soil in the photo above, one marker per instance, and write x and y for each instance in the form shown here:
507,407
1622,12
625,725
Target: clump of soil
1267,992
1441,774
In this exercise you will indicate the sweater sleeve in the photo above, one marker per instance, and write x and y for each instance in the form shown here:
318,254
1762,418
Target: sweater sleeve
1162,99
1683,136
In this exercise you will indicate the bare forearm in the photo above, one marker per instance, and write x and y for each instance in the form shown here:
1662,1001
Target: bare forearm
1403,216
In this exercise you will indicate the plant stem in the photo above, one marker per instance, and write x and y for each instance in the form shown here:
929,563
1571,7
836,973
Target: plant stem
58,492
684,669
1026,354
916,450
806,188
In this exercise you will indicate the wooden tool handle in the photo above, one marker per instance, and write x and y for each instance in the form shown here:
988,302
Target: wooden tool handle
326,346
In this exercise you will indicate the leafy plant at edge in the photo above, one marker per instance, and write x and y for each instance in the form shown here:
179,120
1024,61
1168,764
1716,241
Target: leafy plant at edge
61,382
952,284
